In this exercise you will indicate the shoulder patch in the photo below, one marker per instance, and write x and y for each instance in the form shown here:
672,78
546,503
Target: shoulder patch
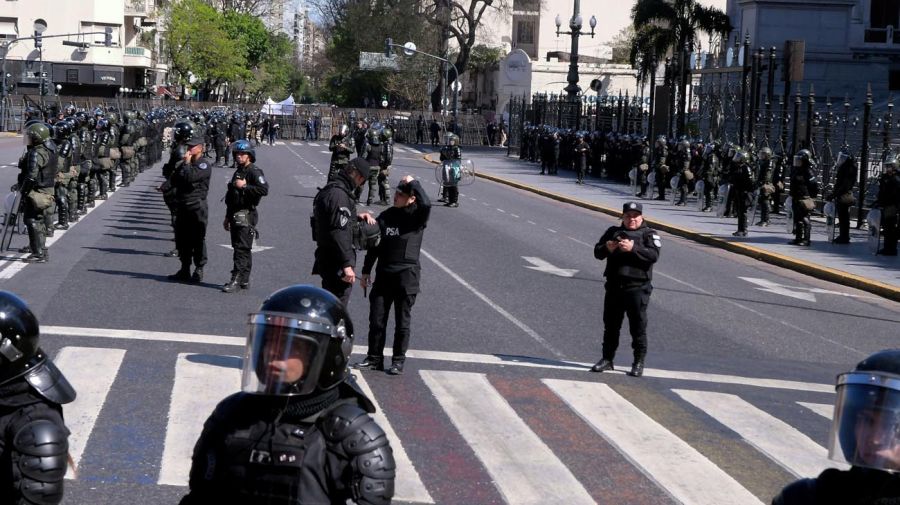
656,240
344,216
203,166
262,180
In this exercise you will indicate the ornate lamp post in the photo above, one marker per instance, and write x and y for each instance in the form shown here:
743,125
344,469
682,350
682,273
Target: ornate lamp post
575,31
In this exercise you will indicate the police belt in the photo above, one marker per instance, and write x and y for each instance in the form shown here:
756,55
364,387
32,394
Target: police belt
627,282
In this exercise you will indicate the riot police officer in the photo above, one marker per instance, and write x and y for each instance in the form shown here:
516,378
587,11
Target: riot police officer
397,273
191,185
742,185
333,223
341,147
384,166
764,184
34,445
888,200
682,163
710,176
247,186
802,203
373,154
660,152
451,152
39,166
299,431
182,132
842,194
582,152
630,250
865,433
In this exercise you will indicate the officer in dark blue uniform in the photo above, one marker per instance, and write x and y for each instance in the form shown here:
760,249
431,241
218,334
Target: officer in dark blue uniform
630,250
247,186
191,183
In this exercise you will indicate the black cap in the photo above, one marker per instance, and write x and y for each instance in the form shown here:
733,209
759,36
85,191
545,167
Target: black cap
195,140
633,206
405,187
361,165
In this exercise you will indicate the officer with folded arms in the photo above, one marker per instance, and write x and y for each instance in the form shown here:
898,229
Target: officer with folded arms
630,250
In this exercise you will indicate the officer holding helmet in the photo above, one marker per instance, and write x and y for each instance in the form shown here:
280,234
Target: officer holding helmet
865,434
34,442
630,250
247,186
300,430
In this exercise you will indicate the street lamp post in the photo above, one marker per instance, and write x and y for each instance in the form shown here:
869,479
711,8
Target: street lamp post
575,31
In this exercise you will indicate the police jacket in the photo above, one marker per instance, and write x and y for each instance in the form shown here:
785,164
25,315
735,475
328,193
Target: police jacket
857,486
248,197
635,266
309,450
191,183
334,215
451,153
39,167
340,148
888,191
845,178
801,178
397,255
237,131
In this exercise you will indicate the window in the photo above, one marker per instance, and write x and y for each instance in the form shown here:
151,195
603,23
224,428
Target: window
526,6
8,28
99,37
525,32
884,13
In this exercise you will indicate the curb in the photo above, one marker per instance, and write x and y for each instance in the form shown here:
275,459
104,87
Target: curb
811,269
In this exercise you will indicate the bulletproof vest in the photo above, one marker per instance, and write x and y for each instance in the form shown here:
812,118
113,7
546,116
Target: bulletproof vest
237,199
401,248
47,172
127,134
764,173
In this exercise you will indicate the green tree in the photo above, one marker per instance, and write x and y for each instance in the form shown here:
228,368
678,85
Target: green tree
622,44
674,25
482,59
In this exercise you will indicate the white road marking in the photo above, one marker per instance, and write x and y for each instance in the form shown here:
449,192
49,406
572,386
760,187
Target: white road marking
201,382
522,326
669,461
578,241
256,248
551,230
532,222
79,365
545,266
408,484
314,144
296,143
514,215
521,465
485,204
325,152
474,199
781,442
779,289
455,357
825,410
279,143
501,210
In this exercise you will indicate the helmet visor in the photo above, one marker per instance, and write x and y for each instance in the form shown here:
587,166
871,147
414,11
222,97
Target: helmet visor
282,356
842,158
866,427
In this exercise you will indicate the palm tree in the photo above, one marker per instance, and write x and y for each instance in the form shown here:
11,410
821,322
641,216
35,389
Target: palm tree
663,26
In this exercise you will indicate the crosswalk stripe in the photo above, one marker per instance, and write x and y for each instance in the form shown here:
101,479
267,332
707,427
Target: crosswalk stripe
825,410
279,143
399,150
781,442
201,382
80,366
313,144
523,468
296,143
408,486
677,467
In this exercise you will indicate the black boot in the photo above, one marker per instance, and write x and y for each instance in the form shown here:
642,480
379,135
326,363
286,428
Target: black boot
371,363
396,367
637,368
182,275
603,365
230,286
198,275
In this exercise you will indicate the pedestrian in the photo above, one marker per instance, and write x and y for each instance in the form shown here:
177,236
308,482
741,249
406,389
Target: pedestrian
34,448
451,157
435,131
842,194
191,184
420,130
333,223
802,192
299,431
888,200
865,434
397,273
630,250
38,168
247,187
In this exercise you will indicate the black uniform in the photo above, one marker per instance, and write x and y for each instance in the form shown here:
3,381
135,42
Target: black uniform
628,287
341,148
334,214
451,191
801,180
191,183
857,486
321,449
843,197
240,210
397,273
888,200
743,183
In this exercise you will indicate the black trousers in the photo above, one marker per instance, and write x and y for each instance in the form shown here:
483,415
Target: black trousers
623,299
242,243
332,283
190,235
452,194
383,296
843,217
741,205
420,136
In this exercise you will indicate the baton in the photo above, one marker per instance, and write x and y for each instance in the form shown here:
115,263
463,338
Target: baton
365,291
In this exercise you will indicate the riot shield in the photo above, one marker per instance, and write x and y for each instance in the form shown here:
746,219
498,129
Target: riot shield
829,212
722,199
651,183
633,178
698,188
674,182
11,207
789,214
874,222
455,172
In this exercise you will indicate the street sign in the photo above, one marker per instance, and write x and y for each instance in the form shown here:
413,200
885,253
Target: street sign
377,61
456,86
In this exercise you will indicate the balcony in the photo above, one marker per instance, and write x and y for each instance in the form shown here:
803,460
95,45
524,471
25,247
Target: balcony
139,7
138,57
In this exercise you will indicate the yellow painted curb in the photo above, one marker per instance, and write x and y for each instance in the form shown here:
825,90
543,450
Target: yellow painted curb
813,270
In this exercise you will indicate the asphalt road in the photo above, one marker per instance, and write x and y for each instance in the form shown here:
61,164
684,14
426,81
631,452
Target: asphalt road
496,405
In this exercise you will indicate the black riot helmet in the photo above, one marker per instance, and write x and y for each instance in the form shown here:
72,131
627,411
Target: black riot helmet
183,131
299,343
243,146
18,337
804,158
866,425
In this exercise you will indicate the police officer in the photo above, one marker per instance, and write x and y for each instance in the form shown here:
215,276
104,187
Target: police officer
37,177
630,250
334,220
865,433
888,200
34,445
191,185
181,133
300,430
764,183
373,156
341,147
420,130
742,185
802,204
384,167
451,152
842,194
397,273
248,185
660,152
582,151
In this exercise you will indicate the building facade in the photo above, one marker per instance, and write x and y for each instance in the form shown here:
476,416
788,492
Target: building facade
81,63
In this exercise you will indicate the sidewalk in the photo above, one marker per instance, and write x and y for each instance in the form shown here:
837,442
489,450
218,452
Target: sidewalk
850,265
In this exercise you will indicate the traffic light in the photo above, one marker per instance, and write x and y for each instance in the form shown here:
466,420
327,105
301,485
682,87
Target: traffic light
37,40
45,87
388,48
107,36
